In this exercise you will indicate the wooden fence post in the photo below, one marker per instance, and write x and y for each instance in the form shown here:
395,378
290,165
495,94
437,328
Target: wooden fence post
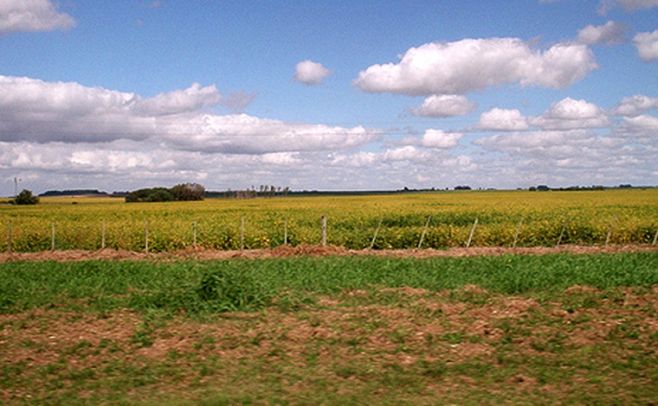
655,238
52,236
10,236
146,236
422,235
103,235
324,230
374,237
194,234
241,233
285,232
517,233
470,235
607,237
559,240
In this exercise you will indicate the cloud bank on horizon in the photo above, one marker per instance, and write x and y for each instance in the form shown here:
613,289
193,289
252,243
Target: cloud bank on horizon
490,111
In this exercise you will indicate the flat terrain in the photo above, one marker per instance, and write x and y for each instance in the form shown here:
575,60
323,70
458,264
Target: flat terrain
402,221
556,328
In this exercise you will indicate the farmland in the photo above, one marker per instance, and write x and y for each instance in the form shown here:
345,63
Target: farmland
440,219
352,330
282,326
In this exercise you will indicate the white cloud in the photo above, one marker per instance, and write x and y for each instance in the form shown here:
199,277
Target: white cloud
193,98
628,5
643,124
445,105
635,105
472,64
570,157
406,153
242,134
38,111
608,33
440,139
571,114
498,119
311,73
647,45
32,15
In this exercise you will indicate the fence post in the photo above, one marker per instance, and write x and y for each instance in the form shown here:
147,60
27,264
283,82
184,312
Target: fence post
422,235
103,235
10,236
324,230
374,237
241,233
285,232
559,240
607,237
517,233
146,236
52,237
470,235
655,238
194,234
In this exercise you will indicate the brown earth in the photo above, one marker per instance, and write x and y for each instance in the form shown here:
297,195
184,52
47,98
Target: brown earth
312,251
348,345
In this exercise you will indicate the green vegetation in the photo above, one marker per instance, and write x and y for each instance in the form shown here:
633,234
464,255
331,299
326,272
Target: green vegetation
620,216
353,330
25,197
180,193
245,284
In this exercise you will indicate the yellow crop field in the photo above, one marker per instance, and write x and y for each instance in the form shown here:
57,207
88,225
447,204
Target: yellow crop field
398,220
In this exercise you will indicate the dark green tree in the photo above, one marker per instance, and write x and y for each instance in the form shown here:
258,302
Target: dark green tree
26,197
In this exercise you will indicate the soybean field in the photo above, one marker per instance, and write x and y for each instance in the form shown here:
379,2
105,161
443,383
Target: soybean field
396,221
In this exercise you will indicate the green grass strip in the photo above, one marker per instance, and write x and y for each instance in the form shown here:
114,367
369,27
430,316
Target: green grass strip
245,284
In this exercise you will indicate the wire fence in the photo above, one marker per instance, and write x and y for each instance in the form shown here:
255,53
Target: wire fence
158,235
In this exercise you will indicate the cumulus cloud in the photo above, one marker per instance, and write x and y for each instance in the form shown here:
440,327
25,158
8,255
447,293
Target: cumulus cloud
643,125
635,105
570,114
193,98
32,15
561,142
647,45
472,64
498,119
38,111
244,134
571,157
608,33
440,139
311,73
628,5
445,105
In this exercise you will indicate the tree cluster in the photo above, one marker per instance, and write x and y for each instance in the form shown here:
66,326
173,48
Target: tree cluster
181,192
25,197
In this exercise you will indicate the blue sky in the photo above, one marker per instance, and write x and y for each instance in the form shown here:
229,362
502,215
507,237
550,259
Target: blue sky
327,95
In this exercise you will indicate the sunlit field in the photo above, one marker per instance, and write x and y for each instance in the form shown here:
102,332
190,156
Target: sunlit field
440,219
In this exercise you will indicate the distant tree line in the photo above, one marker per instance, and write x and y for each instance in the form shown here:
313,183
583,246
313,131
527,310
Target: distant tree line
180,192
74,192
251,193
545,188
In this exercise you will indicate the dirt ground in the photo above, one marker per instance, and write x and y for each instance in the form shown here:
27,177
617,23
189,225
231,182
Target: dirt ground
313,251
439,345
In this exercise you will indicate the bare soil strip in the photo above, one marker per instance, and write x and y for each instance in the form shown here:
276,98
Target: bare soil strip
312,251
